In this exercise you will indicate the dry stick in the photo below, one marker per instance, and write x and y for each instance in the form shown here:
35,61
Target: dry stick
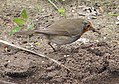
40,55
53,4
5,82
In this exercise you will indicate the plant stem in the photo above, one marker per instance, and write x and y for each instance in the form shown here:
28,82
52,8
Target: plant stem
53,4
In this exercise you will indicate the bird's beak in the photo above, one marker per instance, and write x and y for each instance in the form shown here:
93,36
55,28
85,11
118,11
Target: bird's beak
94,30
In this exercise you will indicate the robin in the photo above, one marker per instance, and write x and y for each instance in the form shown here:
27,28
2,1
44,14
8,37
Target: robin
64,31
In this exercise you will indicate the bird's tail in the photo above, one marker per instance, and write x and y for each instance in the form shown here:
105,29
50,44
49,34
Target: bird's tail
45,32
29,32
25,32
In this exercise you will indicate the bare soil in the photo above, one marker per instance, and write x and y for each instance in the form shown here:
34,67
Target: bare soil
94,61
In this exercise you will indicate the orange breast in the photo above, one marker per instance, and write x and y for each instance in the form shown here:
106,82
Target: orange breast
85,30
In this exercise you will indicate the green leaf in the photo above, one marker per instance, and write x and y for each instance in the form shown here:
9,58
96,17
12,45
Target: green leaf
61,11
29,27
113,14
19,21
24,14
15,29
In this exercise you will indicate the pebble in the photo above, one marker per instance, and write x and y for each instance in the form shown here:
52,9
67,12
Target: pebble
117,23
117,17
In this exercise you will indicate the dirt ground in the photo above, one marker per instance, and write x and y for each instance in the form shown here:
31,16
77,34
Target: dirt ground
93,59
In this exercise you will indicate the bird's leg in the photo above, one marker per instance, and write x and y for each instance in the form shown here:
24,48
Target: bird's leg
49,43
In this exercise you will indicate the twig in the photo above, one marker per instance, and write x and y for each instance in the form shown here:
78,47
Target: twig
53,4
40,55
5,82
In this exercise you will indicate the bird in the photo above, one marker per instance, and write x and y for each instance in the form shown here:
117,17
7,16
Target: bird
64,31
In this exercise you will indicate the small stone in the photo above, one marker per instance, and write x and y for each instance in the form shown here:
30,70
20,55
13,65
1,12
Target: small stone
92,48
36,19
84,40
117,17
93,17
66,55
43,61
72,11
117,23
104,37
43,9
96,40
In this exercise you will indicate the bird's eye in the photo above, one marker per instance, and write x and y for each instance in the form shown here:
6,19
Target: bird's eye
88,26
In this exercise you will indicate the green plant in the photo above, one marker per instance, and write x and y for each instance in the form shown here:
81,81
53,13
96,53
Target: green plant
113,14
22,22
62,0
60,10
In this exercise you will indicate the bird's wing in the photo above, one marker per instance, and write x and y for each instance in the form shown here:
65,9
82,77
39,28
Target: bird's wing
53,32
68,27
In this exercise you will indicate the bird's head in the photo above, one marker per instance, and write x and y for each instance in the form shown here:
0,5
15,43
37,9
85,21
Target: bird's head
89,26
